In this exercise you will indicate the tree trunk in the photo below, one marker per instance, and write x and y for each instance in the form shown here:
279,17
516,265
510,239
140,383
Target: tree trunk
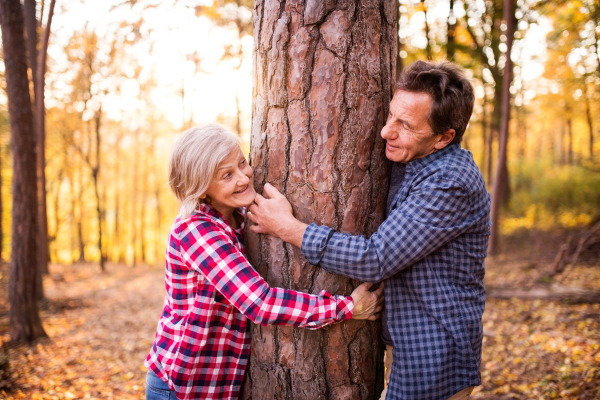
484,131
120,257
501,178
451,32
29,12
82,258
323,79
144,198
494,128
25,322
570,139
41,143
95,176
428,47
1,204
588,115
134,197
399,63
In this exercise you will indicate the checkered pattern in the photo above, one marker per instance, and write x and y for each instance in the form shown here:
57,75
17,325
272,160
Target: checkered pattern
430,250
202,342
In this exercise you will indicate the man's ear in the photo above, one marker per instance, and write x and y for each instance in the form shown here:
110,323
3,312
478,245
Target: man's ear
445,139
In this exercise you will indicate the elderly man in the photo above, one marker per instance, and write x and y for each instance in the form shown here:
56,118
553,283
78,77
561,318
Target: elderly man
430,249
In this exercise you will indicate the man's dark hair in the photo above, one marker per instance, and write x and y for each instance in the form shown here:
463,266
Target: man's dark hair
450,89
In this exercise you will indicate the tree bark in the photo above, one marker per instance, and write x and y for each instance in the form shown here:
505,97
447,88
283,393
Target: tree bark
323,79
41,142
25,322
498,191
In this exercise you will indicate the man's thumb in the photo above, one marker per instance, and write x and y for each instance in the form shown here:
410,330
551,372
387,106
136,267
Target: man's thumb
270,191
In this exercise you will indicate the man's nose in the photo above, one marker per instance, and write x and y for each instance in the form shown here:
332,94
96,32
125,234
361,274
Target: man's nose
386,132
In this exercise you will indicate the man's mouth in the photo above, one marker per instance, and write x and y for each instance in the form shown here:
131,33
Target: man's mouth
242,191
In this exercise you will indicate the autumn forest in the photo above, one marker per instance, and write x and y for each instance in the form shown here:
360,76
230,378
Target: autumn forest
94,93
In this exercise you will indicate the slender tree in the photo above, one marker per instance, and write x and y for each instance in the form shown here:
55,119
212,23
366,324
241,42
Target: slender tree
40,108
25,322
427,31
451,33
323,78
588,117
497,195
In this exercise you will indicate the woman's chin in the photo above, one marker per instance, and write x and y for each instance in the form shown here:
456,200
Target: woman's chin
249,198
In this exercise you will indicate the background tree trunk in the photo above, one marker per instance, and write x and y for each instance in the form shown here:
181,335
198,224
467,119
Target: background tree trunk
451,32
41,142
588,117
323,79
31,25
25,322
501,178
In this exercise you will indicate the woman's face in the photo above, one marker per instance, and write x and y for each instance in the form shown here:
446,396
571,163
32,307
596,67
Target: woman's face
232,186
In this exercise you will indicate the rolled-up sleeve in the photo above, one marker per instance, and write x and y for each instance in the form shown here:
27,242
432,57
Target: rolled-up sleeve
435,212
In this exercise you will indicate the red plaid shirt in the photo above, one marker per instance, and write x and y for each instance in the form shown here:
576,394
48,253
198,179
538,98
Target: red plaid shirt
202,341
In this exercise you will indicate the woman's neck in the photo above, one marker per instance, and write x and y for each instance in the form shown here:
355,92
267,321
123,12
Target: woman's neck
229,214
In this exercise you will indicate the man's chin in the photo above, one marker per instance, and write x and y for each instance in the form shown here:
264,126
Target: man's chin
395,157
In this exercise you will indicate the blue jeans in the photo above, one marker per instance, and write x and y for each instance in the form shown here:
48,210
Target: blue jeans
156,389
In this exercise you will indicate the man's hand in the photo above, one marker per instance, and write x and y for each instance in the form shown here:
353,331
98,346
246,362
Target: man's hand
367,305
273,216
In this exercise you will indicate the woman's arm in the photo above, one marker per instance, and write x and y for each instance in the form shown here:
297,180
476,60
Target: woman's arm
209,250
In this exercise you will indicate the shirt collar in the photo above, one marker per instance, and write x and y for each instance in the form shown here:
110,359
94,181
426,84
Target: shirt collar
420,163
208,210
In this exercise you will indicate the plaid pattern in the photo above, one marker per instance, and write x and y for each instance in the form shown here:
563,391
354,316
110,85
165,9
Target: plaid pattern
202,342
430,250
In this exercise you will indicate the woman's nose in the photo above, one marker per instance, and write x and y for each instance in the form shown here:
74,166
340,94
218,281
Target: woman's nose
243,178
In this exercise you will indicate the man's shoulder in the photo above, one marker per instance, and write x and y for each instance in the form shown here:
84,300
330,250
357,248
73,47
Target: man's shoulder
457,165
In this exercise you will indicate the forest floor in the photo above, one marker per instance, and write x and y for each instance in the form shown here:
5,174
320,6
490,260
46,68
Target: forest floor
101,326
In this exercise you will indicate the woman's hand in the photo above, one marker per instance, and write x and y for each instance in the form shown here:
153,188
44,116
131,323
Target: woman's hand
367,305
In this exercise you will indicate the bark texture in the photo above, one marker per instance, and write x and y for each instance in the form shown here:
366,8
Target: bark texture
323,78
25,323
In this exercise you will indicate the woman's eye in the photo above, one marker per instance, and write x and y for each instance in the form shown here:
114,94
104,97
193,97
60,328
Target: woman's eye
227,176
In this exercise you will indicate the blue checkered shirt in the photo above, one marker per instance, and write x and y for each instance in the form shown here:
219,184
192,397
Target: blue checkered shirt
430,252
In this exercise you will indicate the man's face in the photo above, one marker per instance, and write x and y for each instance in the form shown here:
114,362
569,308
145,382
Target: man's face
407,131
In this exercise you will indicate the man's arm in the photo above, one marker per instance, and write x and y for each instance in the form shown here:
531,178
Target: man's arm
436,211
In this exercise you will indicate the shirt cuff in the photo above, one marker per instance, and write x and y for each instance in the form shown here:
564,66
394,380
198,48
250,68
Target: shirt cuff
346,305
315,241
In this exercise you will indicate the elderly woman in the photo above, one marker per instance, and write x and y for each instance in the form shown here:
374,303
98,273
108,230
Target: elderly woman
202,342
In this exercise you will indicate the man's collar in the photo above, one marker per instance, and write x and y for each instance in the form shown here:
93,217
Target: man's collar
420,163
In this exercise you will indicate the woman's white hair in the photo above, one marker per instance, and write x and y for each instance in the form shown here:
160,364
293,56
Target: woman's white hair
194,161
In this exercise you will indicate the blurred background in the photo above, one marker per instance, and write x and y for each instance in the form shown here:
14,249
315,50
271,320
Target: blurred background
139,72
124,77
